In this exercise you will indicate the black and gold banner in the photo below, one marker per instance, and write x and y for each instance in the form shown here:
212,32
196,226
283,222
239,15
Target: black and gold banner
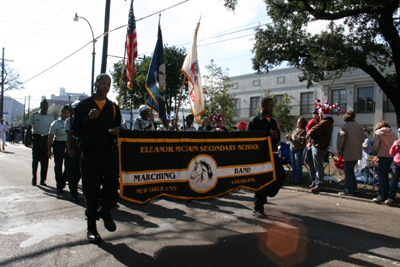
192,165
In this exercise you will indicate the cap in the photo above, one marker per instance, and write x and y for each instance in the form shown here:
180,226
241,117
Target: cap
217,117
242,125
142,108
325,109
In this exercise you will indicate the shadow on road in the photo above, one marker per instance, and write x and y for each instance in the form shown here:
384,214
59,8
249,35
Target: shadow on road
297,242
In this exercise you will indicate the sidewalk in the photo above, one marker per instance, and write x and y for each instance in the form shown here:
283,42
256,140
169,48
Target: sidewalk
365,193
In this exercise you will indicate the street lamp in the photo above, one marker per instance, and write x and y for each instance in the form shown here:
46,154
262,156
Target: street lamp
94,41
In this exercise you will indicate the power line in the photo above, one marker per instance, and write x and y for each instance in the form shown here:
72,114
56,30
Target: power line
104,35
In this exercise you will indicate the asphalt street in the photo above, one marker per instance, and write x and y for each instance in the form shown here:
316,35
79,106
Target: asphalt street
40,228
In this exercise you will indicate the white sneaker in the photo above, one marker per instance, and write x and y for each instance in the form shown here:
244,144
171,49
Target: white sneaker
389,201
378,199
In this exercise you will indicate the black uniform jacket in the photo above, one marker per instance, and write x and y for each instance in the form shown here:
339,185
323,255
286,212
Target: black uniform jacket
259,123
94,133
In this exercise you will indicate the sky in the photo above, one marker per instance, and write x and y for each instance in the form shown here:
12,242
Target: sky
37,34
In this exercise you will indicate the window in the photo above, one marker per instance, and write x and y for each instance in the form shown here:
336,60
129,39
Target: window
339,97
278,99
236,110
235,85
254,102
365,100
280,79
306,103
387,104
256,82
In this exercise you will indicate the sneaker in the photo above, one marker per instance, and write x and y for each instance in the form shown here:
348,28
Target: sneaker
378,199
389,201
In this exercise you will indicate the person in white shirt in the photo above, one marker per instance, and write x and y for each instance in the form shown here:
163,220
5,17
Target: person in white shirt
3,129
58,133
189,124
144,122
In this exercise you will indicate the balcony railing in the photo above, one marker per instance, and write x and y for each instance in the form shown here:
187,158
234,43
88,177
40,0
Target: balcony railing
388,106
295,111
368,107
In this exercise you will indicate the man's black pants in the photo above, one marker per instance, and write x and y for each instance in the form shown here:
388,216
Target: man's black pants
99,169
59,152
272,189
39,154
73,171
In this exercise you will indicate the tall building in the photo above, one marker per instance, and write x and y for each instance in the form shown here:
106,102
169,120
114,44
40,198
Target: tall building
11,109
64,97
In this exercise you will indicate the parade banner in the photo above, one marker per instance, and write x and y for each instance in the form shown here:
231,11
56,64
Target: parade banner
192,165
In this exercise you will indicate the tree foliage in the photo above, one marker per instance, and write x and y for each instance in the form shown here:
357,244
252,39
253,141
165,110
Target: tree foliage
11,78
215,90
281,111
360,34
173,57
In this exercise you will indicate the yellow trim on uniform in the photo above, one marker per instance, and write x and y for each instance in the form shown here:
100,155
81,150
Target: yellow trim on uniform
100,104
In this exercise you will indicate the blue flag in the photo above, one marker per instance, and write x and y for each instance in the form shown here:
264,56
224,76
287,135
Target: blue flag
155,83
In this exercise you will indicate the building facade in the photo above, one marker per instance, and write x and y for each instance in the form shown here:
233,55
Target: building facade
11,109
354,90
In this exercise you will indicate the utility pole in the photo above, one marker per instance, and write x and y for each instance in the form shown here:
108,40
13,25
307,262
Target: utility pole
29,104
2,85
105,38
23,122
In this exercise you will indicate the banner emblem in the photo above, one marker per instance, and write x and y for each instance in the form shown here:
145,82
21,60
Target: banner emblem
203,172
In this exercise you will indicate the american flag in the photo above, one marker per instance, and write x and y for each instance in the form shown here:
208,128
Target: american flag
131,48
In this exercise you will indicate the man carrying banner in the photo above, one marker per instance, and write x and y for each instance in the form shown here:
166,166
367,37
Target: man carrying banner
96,124
264,122
144,122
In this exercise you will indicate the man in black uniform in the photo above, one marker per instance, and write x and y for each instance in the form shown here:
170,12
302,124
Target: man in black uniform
96,124
264,122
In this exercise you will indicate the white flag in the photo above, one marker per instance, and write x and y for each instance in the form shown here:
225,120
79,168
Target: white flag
192,71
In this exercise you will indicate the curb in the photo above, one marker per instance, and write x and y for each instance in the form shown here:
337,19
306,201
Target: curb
337,196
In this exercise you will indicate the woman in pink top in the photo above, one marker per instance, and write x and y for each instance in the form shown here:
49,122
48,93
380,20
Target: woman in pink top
384,138
394,151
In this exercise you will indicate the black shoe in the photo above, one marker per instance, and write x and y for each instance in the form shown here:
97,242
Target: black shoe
292,182
33,181
60,191
317,189
75,200
109,223
43,183
258,211
298,183
93,236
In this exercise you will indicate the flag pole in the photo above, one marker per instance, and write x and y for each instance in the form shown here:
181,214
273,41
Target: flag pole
180,98
122,77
